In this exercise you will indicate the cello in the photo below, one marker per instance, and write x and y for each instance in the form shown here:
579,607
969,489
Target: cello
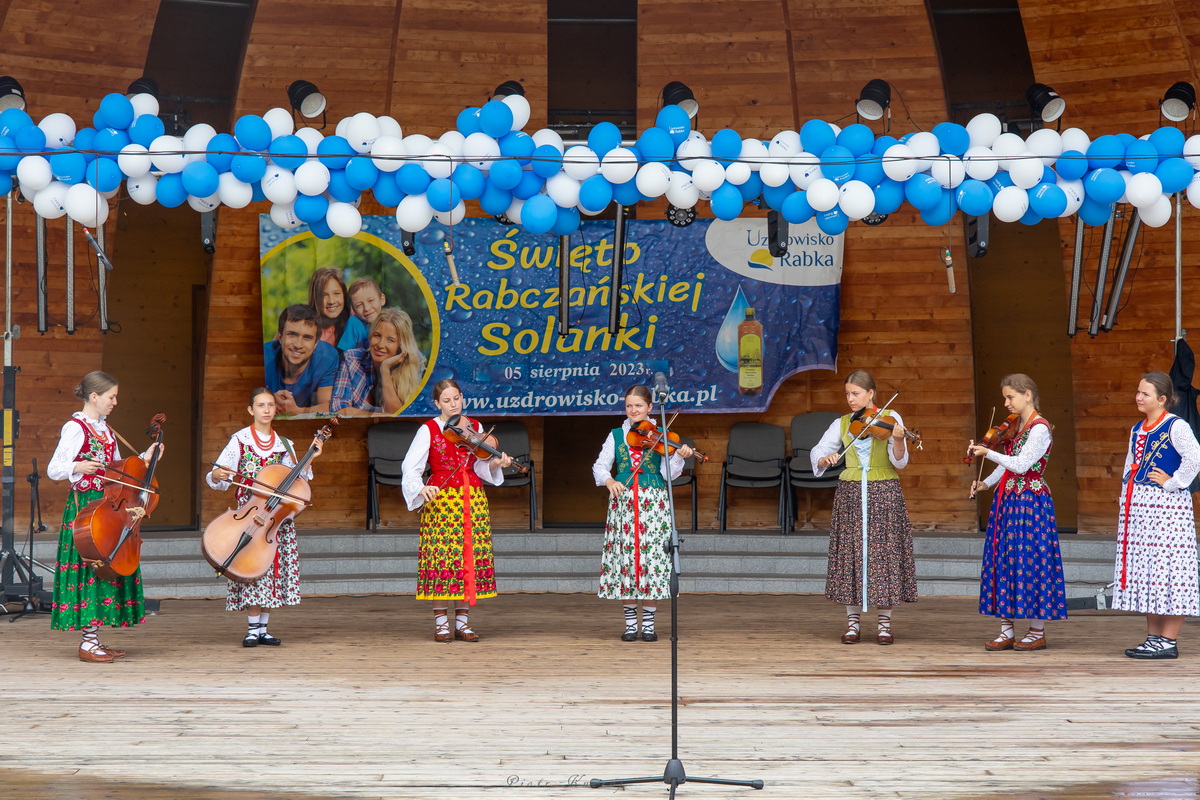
108,530
240,544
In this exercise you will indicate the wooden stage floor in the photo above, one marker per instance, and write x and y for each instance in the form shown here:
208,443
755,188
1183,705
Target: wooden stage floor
359,702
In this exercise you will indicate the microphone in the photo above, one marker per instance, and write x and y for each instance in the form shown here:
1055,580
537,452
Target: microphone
948,260
661,390
448,247
96,246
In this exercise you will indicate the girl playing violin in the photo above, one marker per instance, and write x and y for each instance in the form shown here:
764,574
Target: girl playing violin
454,558
82,600
634,564
248,451
1022,574
870,487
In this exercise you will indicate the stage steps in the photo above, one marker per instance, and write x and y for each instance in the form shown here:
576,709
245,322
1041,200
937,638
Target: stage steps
568,560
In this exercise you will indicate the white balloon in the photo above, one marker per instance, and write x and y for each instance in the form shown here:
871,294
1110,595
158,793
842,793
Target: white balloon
454,140
280,122
340,128
387,152
1125,176
786,145
1191,151
143,190
1075,194
707,175
134,161
144,103
438,161
1158,214
232,192
361,131
1144,189
414,213
453,216
388,126
653,179
1007,146
547,136
856,200
514,209
311,177
49,201
737,173
619,165
824,194
563,190
775,174
284,215
980,163
279,185
196,140
581,163
692,151
343,219
417,143
925,144
805,170
203,204
899,162
59,129
1046,144
311,138
754,153
1075,139
34,174
983,129
85,205
682,193
481,151
948,171
166,155
1193,191
1010,204
519,107
1026,170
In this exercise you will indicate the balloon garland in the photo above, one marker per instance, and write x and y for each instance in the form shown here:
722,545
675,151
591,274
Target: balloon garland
823,172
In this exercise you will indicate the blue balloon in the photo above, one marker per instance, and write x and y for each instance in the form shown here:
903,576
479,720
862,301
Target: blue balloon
1048,175
340,188
922,191
505,175
531,183
518,145
1104,185
1106,151
468,121
833,221
1175,175
248,168
108,141
776,195
104,174
547,161
256,193
495,119
999,181
320,229
361,173
538,214
675,121
627,193
1071,165
566,222
656,145
443,195
817,136
952,138
796,209
288,152
386,192
940,212
9,155
412,179
751,189
869,169
469,180
253,132
12,120
889,196
837,164
68,167
221,150
31,139
1141,156
85,139
856,138
883,143
1093,213
726,202
494,200
170,191
1031,217
145,129
595,193
974,197
116,111
1168,141
200,179
603,137
310,208
1048,200
726,145
335,152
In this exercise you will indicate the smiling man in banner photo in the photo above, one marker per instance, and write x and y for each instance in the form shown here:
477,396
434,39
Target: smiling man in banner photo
299,368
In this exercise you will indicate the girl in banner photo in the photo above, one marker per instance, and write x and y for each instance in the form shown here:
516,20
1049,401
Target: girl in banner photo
383,376
868,504
1022,574
248,451
635,565
82,600
327,296
1156,530
454,558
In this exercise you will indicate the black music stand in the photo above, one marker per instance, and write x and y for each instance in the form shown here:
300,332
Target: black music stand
36,598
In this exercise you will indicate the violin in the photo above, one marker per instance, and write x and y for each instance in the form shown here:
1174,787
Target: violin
881,428
645,435
1006,431
241,544
108,530
481,443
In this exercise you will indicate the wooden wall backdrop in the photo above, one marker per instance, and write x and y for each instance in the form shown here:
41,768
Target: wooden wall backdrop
66,56
1112,60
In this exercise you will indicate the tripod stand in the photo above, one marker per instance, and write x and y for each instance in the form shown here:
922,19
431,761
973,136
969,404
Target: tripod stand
674,775
35,597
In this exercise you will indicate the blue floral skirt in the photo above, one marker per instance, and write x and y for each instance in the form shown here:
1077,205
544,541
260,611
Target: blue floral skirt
1022,575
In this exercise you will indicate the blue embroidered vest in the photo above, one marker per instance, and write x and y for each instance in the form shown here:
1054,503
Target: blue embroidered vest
1158,452
649,474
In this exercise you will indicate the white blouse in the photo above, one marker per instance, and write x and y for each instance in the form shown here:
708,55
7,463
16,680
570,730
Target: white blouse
602,469
230,456
1036,446
70,442
831,442
412,469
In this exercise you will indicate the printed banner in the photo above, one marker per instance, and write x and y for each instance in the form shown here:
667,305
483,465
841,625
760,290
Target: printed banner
356,326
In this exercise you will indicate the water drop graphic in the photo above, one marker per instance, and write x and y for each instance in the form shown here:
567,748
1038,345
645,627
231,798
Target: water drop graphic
727,336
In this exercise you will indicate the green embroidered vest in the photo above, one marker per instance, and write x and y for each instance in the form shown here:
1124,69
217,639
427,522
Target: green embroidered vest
879,468
649,476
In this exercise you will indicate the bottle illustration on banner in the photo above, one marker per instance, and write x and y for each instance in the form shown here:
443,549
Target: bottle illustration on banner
750,355
727,336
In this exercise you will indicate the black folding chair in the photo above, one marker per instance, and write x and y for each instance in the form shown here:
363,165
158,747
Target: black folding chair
807,430
755,459
514,440
387,444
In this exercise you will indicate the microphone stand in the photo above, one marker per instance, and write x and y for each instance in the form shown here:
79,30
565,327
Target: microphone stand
674,774
33,603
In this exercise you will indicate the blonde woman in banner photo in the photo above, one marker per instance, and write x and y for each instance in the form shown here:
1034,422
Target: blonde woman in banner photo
382,377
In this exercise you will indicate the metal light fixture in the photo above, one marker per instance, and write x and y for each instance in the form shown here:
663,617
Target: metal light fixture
678,94
143,85
875,219
306,98
1044,102
11,93
507,89
680,217
1178,102
874,100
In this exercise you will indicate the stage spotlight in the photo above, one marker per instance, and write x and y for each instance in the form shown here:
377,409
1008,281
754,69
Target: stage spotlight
143,85
777,234
680,217
11,93
1178,102
507,89
503,219
874,99
306,98
875,219
408,243
678,94
1044,102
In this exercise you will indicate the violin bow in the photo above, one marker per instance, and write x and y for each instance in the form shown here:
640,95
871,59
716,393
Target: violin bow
274,492
882,410
982,459
147,489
